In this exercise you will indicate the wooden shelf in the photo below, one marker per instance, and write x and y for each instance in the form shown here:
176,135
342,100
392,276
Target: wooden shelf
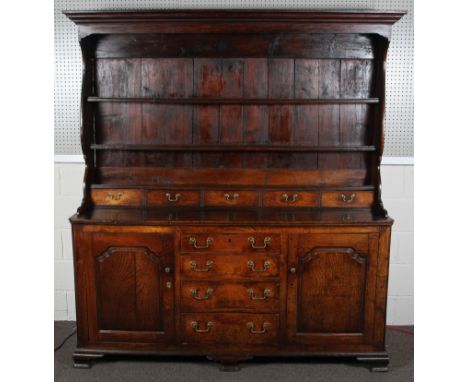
237,101
236,148
222,186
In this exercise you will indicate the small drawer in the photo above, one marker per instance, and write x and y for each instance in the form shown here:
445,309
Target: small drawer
290,199
116,197
202,267
202,296
173,198
231,328
231,198
345,199
231,243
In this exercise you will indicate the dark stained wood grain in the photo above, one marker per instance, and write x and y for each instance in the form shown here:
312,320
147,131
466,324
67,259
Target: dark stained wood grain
245,176
240,296
233,45
232,202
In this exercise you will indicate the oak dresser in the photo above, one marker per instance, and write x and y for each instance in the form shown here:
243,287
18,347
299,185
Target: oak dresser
232,195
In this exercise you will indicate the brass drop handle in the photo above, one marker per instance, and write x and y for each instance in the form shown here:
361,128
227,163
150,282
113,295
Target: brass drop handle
287,199
113,196
173,199
266,294
208,294
167,270
231,198
196,327
266,242
251,326
209,265
348,200
193,241
251,265
292,270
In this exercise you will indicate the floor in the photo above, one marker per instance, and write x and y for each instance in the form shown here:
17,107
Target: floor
399,342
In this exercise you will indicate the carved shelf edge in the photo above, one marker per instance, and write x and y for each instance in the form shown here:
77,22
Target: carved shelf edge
240,148
237,101
305,15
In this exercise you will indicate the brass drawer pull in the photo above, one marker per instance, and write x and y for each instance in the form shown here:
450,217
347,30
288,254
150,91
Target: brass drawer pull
113,196
231,198
265,326
173,199
347,200
195,326
287,199
251,265
208,294
209,265
193,241
266,294
266,242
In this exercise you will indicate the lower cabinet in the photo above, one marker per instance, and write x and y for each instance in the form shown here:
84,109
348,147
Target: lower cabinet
331,288
129,283
297,293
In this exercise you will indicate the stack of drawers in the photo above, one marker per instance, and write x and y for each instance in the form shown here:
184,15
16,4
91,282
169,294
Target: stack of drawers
230,288
230,198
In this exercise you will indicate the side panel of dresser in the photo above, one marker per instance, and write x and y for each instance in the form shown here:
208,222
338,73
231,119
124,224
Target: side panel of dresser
124,286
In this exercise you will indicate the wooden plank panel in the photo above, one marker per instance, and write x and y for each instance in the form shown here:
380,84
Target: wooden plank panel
280,128
255,78
153,132
306,78
354,130
281,78
329,115
356,78
118,123
205,131
118,77
208,75
280,121
167,78
230,123
329,135
329,79
232,78
304,45
306,133
231,132
255,131
243,176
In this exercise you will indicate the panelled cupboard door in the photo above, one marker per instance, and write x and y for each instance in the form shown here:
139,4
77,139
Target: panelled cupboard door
130,293
331,288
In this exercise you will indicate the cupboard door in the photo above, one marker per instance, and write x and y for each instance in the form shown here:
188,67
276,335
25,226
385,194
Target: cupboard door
331,288
130,294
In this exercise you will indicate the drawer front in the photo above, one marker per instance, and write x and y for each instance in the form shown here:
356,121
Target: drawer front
231,198
231,328
215,266
202,296
290,199
345,199
173,198
358,242
116,197
231,243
